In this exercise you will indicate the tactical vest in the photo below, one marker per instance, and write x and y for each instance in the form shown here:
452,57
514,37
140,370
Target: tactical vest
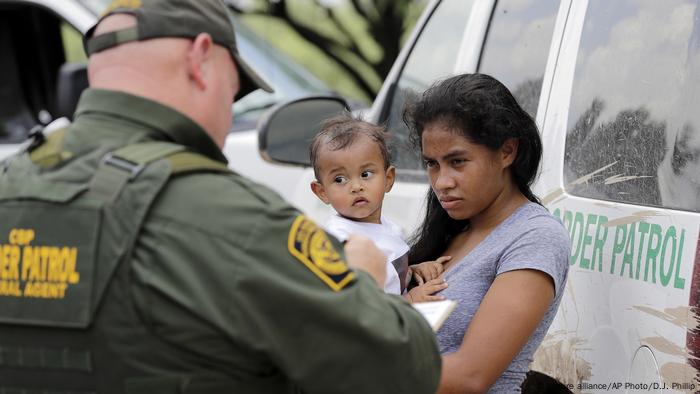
68,225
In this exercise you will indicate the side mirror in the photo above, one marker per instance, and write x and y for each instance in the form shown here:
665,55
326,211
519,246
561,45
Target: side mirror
286,131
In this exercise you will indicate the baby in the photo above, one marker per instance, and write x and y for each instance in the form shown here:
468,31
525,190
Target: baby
351,163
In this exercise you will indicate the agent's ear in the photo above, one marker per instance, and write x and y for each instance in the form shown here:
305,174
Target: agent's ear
201,50
390,177
509,151
320,191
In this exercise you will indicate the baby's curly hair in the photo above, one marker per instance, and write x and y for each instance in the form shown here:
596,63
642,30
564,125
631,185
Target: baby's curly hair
341,131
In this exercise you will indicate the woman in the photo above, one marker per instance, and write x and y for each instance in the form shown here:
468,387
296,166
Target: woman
509,255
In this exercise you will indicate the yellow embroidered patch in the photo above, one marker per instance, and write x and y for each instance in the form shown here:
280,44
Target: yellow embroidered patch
310,245
130,4
36,271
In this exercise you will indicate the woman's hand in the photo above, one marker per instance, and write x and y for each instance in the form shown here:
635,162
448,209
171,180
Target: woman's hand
429,270
425,291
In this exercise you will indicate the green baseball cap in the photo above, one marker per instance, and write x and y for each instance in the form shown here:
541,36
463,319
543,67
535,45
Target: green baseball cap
176,18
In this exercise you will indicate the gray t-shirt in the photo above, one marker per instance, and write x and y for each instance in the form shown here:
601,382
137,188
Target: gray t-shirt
530,238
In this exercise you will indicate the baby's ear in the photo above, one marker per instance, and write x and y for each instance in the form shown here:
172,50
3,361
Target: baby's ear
390,177
320,191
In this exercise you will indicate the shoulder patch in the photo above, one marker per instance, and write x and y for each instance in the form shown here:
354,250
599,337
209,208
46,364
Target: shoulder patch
310,245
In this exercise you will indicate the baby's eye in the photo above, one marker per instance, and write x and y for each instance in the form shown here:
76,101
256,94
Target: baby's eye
367,174
429,163
340,180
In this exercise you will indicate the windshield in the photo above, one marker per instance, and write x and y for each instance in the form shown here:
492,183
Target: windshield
289,79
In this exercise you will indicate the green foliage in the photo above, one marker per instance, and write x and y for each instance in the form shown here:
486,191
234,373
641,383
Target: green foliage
286,39
350,45
72,44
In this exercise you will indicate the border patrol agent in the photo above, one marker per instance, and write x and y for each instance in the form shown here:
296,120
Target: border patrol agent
132,260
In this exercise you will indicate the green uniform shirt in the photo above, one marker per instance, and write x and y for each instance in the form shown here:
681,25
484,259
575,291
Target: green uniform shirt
218,274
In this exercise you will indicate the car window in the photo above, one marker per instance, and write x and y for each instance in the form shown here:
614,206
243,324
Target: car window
516,47
633,124
433,57
33,48
289,79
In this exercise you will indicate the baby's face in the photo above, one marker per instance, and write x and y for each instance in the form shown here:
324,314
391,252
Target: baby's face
353,180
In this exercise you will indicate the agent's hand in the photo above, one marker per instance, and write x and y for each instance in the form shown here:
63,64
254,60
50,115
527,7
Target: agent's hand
426,291
361,253
429,270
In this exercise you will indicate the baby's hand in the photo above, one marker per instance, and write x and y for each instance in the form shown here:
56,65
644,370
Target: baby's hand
429,270
425,292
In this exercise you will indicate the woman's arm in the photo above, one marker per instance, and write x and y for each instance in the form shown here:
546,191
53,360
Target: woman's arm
512,309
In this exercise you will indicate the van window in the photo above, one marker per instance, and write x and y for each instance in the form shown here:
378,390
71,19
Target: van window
433,57
633,125
516,47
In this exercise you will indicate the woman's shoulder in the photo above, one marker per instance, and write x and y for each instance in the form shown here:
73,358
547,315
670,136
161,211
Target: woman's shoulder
533,224
534,217
538,241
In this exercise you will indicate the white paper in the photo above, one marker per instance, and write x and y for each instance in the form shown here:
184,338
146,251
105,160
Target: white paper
435,312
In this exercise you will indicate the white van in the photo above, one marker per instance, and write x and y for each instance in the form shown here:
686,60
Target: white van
615,89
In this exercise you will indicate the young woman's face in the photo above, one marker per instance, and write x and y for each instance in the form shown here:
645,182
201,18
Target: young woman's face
466,177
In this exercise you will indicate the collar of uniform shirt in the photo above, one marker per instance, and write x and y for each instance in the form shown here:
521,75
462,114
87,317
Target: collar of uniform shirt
154,116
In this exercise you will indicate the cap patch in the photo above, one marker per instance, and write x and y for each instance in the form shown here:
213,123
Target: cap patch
130,4
310,245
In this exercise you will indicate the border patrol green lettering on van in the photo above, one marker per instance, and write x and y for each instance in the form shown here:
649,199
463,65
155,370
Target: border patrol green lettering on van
640,250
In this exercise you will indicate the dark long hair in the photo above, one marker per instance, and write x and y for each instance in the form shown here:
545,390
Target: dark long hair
486,113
